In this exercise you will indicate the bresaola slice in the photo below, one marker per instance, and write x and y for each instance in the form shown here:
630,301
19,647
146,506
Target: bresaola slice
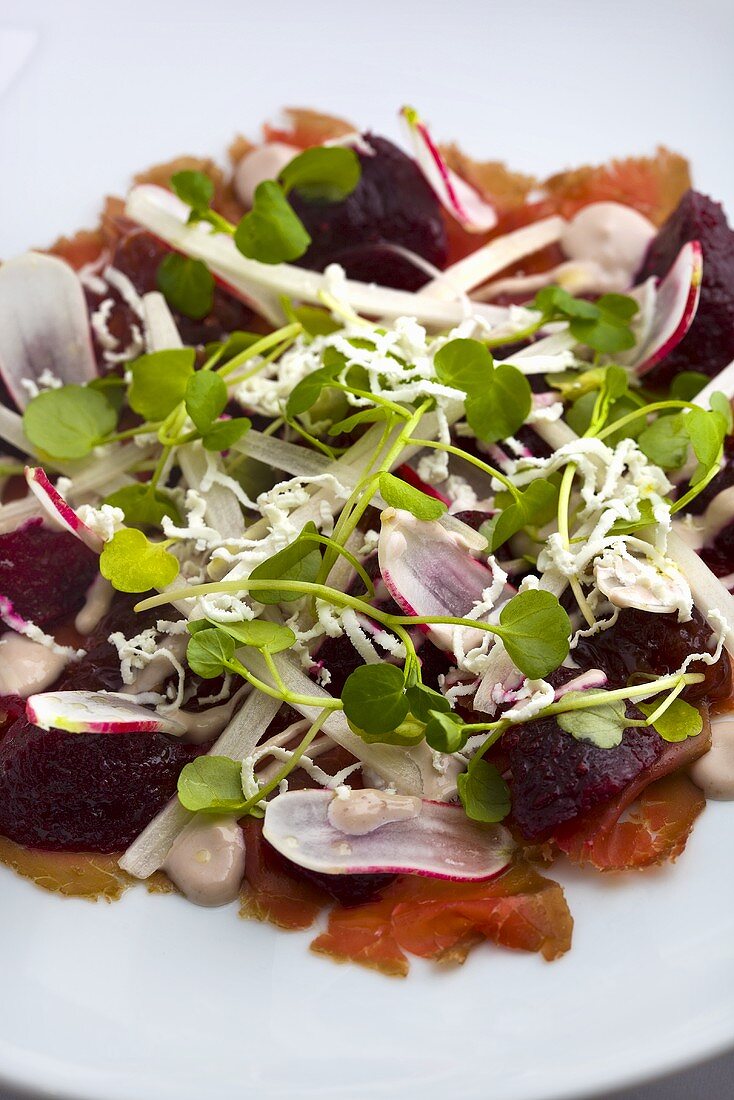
59,510
429,570
440,842
463,203
676,302
44,324
96,712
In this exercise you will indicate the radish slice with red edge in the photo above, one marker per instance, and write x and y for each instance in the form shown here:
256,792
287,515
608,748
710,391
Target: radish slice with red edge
676,303
464,203
429,570
440,842
44,325
59,510
96,712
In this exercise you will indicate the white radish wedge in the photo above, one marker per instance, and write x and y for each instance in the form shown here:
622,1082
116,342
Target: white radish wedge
44,324
440,842
55,506
463,203
676,303
429,570
96,712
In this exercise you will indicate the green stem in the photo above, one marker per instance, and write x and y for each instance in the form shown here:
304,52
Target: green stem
266,344
290,765
657,406
484,466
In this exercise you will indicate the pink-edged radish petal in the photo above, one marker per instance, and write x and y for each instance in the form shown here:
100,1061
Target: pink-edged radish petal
96,712
44,325
441,842
59,510
676,303
464,203
429,570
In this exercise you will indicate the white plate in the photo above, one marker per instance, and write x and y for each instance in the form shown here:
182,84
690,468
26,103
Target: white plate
150,996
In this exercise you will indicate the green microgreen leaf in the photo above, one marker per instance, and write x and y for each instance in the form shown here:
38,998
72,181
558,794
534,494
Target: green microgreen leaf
408,733
602,725
144,506
677,722
398,494
186,284
196,189
423,701
300,561
206,398
463,364
260,634
325,173
445,732
211,784
501,406
536,506
225,433
364,416
69,422
209,652
687,384
159,382
535,631
647,518
306,393
483,792
316,322
374,698
720,404
665,442
603,326
271,232
131,563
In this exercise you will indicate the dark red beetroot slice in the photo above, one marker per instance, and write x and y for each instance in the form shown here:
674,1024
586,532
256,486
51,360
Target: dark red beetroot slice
45,574
709,344
555,779
657,644
84,792
392,204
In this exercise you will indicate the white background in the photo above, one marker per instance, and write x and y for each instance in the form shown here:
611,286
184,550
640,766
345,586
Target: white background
90,91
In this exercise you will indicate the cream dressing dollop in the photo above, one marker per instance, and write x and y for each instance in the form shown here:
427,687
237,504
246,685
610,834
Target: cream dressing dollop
357,813
207,860
612,238
96,605
714,772
27,667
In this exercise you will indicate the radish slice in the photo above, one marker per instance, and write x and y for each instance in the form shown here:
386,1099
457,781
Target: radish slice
96,712
676,303
59,510
44,325
464,203
430,571
441,842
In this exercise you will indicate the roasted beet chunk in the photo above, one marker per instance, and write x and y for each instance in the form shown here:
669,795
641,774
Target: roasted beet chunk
45,574
709,344
659,644
84,792
392,204
555,779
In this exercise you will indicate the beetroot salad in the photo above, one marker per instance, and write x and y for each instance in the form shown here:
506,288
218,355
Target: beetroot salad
367,537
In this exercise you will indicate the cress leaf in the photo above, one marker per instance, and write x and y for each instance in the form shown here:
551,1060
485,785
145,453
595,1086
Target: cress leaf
445,732
706,431
665,442
687,384
408,733
463,364
271,232
315,321
159,382
720,404
374,698
260,634
206,398
364,416
131,563
424,700
535,507
70,421
225,433
483,792
535,631
211,784
398,494
196,189
557,304
602,725
678,722
144,506
300,561
307,392
324,173
209,652
501,406
186,284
